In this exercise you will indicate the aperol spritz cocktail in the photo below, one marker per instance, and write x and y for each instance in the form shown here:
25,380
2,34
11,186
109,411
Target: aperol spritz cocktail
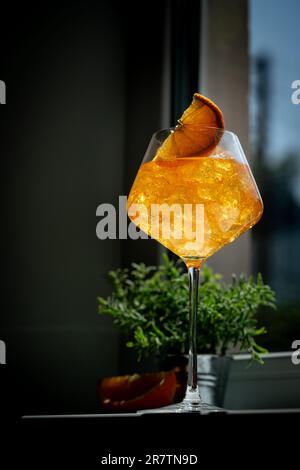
223,186
194,193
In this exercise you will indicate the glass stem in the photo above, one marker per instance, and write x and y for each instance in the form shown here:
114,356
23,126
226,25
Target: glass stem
192,396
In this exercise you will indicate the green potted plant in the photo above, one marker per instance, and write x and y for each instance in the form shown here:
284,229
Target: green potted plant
149,305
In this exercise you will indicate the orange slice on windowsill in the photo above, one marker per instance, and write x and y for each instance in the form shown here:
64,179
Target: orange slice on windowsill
198,132
137,392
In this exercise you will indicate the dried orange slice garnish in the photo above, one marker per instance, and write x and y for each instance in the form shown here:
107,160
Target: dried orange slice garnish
199,130
137,392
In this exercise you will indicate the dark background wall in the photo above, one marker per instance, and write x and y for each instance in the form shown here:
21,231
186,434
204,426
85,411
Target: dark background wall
83,97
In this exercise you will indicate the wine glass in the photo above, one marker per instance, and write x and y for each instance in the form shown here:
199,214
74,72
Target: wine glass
194,205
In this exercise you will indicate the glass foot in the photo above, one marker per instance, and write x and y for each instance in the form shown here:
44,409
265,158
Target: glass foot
200,408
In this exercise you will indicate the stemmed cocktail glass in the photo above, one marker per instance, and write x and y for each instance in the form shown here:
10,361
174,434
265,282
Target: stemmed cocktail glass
194,204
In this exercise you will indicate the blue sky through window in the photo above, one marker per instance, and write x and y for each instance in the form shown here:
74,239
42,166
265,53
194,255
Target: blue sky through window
275,34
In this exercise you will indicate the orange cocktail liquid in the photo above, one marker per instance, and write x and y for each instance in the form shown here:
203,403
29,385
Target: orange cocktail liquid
224,187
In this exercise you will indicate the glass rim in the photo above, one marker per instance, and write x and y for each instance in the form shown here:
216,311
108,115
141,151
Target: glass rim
219,129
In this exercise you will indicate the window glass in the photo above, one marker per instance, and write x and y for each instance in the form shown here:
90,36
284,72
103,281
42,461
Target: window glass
275,139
